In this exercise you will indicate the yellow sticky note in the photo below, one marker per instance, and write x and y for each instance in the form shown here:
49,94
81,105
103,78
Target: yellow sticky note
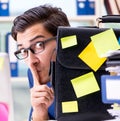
1,63
105,41
68,41
69,107
90,57
85,84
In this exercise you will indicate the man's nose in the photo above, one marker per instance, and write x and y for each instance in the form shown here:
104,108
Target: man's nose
30,49
33,59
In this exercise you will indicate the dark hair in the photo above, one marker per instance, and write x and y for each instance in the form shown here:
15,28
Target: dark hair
51,17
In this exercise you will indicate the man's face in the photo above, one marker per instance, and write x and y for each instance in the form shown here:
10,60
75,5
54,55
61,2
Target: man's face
39,62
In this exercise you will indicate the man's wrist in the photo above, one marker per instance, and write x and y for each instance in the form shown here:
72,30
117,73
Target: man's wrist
37,117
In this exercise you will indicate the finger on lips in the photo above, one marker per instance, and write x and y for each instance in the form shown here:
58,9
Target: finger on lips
35,76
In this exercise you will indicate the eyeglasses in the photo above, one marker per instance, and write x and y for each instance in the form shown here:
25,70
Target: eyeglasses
35,48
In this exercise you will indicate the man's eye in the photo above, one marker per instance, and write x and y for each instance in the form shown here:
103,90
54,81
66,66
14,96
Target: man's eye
39,45
23,51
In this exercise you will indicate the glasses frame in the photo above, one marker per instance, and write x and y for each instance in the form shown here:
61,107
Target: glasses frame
29,48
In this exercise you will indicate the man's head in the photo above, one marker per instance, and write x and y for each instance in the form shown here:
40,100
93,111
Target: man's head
50,17
35,31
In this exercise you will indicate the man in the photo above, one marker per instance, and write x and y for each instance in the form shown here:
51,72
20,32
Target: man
35,33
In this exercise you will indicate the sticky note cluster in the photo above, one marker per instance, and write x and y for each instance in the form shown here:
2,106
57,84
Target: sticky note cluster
101,43
94,56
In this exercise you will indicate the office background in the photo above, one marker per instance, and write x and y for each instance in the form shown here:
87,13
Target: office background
16,7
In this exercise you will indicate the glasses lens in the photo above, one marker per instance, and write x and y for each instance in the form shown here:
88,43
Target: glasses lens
21,54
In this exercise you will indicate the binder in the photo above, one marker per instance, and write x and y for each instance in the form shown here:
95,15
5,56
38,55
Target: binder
91,7
85,7
118,5
4,7
11,47
81,7
112,7
71,72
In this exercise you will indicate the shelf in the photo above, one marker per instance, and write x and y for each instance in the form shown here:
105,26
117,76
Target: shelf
19,79
7,19
82,18
89,18
20,82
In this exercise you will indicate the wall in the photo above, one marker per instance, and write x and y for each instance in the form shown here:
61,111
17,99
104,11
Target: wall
17,6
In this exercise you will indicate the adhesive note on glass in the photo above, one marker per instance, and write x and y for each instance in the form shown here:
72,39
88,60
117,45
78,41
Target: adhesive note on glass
90,57
69,107
68,41
1,63
104,42
85,84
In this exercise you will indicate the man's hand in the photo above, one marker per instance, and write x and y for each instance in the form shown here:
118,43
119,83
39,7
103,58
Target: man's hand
41,98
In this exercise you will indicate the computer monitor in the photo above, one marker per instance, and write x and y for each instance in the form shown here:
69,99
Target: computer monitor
5,85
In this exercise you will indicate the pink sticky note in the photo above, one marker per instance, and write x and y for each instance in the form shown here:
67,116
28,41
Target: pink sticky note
4,111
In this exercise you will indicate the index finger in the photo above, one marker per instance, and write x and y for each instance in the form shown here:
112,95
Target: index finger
35,77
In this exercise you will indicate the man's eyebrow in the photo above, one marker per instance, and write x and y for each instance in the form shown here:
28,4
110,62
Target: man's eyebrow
39,36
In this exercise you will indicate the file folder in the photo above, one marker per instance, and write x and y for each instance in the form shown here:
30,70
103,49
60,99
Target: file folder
81,7
4,7
11,47
91,7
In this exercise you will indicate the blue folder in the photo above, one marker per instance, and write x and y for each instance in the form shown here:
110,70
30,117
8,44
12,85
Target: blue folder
4,8
85,7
